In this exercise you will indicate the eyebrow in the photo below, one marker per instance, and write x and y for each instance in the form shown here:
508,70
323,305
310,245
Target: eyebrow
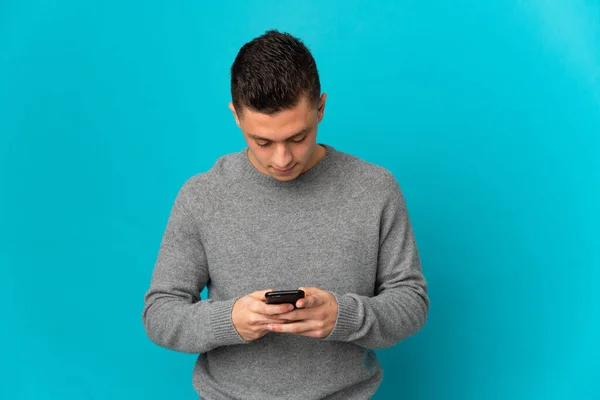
256,137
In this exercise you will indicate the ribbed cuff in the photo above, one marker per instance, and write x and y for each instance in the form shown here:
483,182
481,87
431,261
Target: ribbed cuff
347,321
222,326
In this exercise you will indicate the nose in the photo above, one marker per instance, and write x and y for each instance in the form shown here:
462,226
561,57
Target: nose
282,158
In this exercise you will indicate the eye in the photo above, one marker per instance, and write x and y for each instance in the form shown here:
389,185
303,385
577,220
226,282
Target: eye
263,144
299,139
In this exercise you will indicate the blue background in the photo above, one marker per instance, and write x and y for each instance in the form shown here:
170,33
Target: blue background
487,112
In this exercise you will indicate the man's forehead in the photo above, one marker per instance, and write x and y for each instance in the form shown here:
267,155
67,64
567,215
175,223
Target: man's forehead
279,126
278,136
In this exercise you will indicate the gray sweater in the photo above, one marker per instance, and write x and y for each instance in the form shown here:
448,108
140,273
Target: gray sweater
342,226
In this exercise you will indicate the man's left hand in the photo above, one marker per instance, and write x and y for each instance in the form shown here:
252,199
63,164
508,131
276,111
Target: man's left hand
315,316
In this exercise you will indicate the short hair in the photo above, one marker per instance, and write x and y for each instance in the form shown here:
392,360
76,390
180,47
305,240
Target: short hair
272,72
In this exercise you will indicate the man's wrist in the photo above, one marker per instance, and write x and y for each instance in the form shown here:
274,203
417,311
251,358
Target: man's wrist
346,318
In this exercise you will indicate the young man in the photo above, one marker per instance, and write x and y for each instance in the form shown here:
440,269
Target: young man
286,213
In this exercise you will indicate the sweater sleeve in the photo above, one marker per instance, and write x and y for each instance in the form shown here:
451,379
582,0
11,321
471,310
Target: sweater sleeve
400,305
174,317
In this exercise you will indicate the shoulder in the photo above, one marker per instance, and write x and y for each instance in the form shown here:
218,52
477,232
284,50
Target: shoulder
369,176
202,190
372,184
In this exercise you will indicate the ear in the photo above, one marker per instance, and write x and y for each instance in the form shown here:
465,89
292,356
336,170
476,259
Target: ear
235,115
321,109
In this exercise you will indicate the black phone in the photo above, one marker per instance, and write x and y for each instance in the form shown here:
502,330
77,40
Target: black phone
284,296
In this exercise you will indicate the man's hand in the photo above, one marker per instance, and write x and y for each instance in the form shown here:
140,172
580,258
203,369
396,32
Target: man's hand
315,317
251,315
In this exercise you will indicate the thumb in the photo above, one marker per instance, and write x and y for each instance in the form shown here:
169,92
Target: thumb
308,291
309,300
260,294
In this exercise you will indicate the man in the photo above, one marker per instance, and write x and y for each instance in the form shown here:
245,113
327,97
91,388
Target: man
286,213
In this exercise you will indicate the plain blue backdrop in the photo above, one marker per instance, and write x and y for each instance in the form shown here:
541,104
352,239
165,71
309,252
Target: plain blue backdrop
487,113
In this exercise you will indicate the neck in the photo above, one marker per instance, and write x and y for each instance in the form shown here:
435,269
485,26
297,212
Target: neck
317,156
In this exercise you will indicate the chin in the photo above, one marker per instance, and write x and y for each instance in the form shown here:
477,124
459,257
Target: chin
285,178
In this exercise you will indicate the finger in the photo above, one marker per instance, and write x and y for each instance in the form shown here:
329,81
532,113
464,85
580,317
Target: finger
271,309
301,303
256,319
309,301
307,290
265,320
260,294
293,327
296,315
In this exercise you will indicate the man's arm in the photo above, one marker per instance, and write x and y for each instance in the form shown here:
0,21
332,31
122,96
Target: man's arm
173,315
399,308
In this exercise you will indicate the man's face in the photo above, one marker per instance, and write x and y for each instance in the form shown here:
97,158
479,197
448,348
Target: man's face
283,145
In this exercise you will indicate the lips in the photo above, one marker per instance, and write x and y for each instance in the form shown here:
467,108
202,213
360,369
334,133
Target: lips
284,171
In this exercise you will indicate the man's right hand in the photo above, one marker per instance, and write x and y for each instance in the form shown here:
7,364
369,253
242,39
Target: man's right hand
251,315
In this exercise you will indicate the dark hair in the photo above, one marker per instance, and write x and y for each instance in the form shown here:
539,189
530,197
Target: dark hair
272,72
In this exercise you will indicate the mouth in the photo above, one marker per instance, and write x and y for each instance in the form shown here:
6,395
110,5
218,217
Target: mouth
284,171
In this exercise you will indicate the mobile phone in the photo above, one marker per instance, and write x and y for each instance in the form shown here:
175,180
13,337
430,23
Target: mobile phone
284,297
